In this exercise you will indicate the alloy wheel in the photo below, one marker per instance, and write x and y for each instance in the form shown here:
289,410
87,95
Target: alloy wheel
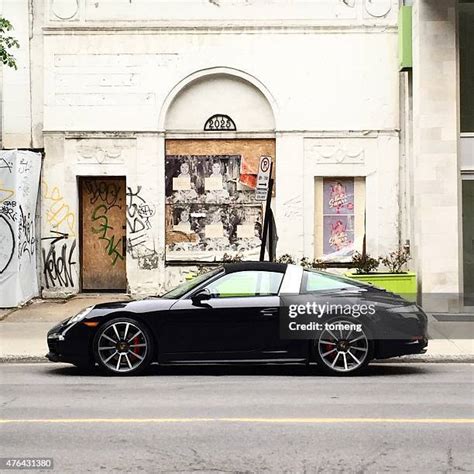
122,347
343,350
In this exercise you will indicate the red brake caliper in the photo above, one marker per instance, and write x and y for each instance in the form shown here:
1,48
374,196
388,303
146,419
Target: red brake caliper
327,348
136,340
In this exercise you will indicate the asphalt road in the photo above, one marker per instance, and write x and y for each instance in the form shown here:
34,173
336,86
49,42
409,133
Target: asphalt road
397,418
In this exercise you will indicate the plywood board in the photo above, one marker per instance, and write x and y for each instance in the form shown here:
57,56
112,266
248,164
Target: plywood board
103,227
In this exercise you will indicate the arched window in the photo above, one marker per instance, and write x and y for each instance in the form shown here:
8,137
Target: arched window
219,122
242,106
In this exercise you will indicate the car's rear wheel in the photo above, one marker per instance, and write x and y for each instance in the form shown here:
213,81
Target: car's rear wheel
340,351
123,346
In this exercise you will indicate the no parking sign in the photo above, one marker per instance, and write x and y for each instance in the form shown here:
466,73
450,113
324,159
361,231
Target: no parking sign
263,178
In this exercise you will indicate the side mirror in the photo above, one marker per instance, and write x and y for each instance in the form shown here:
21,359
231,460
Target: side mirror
200,296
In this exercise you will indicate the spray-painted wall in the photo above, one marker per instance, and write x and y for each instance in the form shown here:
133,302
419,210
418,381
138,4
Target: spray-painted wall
19,181
83,154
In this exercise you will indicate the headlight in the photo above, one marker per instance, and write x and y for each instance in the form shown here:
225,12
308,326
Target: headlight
411,308
80,316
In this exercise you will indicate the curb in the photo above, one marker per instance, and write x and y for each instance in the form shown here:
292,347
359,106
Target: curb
429,359
7,313
6,359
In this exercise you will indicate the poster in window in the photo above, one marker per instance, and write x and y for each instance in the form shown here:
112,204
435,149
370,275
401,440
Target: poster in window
205,232
338,219
338,196
338,235
212,179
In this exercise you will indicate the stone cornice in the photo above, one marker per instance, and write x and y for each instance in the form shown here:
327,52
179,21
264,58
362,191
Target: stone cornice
201,28
174,134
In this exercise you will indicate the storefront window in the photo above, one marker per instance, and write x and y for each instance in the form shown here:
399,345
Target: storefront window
468,240
466,53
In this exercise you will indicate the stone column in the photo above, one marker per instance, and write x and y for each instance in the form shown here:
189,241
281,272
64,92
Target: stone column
436,176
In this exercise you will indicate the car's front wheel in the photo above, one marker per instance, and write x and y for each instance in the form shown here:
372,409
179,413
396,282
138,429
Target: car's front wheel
343,347
123,346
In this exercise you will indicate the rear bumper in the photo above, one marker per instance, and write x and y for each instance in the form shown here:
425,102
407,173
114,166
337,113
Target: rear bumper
395,348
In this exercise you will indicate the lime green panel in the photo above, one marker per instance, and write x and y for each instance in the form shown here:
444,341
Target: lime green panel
403,284
245,285
405,55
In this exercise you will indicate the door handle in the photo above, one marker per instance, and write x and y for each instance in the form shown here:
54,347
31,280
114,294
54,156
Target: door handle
269,312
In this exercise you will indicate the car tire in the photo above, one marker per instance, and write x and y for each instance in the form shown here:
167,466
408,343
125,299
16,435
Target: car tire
343,353
123,346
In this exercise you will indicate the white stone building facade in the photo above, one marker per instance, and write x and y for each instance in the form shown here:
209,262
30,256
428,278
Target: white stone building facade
109,89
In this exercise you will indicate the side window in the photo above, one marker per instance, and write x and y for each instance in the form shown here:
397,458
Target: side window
318,282
246,283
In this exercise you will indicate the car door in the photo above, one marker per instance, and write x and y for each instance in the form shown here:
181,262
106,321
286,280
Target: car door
232,325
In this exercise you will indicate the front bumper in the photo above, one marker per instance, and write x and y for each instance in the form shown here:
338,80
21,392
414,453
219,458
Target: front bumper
70,343
54,357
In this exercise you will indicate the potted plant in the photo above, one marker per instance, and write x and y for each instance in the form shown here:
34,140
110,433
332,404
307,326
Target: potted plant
395,279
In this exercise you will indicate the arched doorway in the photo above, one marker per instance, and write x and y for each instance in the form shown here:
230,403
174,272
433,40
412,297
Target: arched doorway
217,125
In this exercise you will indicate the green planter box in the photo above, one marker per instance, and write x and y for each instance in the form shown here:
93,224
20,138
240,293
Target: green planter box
403,284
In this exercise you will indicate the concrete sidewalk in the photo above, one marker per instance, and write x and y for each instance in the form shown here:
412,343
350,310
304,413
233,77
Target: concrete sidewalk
23,330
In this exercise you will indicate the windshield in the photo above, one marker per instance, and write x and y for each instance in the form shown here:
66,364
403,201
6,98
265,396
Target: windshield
187,286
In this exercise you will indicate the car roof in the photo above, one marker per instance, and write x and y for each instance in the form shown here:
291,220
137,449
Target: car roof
256,266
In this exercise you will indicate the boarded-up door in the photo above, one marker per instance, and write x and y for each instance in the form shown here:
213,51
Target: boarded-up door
103,233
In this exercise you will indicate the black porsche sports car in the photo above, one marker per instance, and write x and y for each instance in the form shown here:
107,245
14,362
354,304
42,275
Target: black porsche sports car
252,312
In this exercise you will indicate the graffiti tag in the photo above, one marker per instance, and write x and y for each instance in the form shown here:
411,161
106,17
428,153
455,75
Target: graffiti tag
112,243
139,212
58,266
8,209
58,212
26,238
107,192
7,243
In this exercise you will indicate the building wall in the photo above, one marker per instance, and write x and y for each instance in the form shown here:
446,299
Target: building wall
436,171
125,79
117,77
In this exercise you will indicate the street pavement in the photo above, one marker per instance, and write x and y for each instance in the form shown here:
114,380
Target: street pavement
397,418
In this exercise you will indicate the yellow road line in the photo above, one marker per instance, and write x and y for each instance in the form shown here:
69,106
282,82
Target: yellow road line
243,420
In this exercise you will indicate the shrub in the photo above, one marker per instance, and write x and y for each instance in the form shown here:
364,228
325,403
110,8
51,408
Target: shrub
364,263
286,258
317,264
394,261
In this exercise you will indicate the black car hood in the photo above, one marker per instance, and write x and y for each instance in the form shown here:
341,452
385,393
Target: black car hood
134,306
